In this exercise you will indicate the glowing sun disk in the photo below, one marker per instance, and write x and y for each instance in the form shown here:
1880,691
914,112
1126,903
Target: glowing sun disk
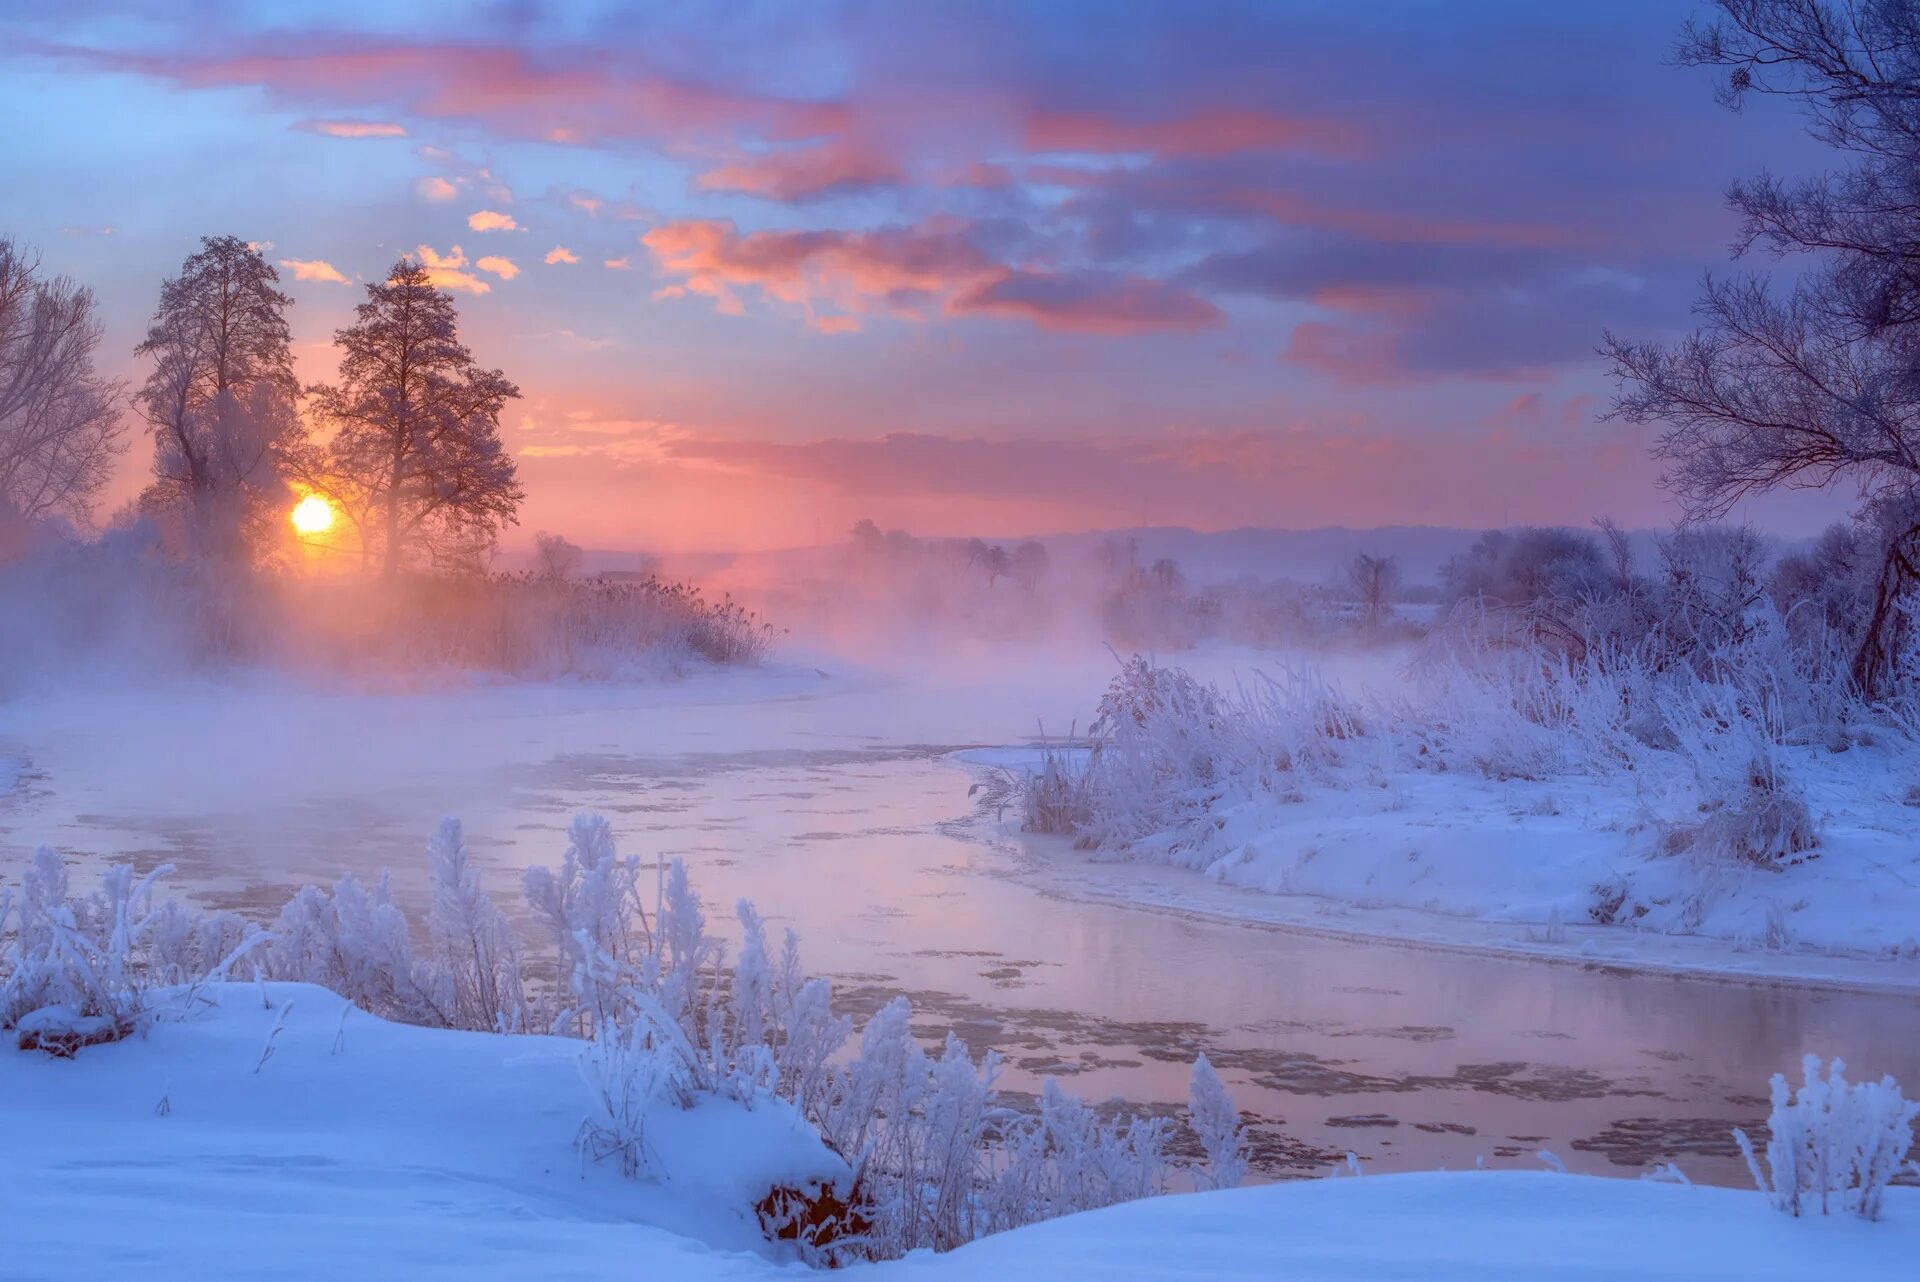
312,515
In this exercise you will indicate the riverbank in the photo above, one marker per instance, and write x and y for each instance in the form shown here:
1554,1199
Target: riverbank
279,1130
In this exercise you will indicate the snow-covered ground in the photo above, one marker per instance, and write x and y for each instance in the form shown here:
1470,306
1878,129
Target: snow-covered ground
371,1150
1513,866
1410,830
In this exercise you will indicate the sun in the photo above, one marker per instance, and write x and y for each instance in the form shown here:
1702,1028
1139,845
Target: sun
312,515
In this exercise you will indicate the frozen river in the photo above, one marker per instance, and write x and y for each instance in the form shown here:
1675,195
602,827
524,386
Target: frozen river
837,805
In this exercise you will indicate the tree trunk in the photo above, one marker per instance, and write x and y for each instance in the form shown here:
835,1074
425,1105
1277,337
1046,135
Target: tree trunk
1873,663
393,519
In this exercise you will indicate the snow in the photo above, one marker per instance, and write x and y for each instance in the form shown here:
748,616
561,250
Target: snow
1512,866
366,1149
357,1148
1468,831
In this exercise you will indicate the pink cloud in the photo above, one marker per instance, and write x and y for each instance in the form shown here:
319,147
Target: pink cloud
1090,302
447,270
561,254
491,220
352,128
504,268
899,269
580,97
437,190
802,173
917,272
316,269
1351,357
1205,133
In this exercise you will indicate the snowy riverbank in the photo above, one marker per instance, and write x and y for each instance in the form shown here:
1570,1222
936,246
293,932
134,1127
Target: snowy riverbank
367,1149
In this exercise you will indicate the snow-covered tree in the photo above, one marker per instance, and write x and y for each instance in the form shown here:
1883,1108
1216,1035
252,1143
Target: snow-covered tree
59,420
1811,386
221,397
558,557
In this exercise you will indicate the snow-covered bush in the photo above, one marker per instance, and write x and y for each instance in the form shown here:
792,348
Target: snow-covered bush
355,942
1180,771
1216,1123
72,973
1753,810
593,909
1058,797
75,969
627,1073
1065,1159
475,956
1834,1145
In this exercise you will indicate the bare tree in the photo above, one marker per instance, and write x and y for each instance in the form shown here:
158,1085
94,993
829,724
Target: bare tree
559,558
1030,563
59,421
416,443
1816,385
221,399
1619,553
1374,580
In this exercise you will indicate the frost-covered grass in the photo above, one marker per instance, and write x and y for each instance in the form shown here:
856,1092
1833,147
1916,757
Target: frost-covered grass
1740,799
919,1152
369,1149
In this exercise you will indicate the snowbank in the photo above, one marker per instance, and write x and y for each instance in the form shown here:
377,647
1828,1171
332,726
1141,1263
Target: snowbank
1587,813
359,1148
356,1148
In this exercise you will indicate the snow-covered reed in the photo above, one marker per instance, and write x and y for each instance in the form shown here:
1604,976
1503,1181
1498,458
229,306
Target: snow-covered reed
1834,1145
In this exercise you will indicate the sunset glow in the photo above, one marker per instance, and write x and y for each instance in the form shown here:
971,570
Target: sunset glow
960,268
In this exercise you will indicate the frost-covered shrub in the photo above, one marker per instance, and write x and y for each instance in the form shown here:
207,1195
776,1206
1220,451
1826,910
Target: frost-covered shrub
592,907
475,956
76,969
1753,810
1834,1145
356,943
1519,567
1216,1123
627,1073
1064,1159
1059,796
71,974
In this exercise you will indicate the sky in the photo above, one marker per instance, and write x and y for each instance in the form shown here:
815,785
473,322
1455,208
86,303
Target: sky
762,269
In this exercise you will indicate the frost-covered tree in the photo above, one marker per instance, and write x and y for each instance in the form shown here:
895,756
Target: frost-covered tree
221,399
59,420
416,452
1526,566
1029,563
1216,1122
1373,581
558,557
1812,385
